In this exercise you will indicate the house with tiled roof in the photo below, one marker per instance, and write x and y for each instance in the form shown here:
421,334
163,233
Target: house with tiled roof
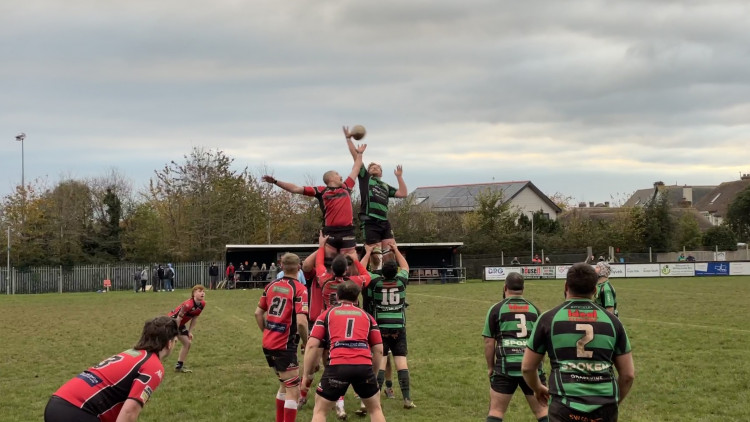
677,195
715,204
522,195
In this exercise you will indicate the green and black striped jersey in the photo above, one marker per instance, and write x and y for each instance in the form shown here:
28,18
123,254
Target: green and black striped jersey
374,194
510,323
606,297
387,299
581,339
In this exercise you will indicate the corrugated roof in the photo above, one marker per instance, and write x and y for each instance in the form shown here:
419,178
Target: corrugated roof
464,197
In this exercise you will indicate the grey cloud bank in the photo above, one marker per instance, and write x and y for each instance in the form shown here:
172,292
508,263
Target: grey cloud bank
588,98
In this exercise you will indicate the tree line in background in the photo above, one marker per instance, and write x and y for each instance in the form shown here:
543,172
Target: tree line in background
193,208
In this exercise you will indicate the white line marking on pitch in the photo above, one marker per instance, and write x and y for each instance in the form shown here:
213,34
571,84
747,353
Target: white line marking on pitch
236,317
652,321
219,308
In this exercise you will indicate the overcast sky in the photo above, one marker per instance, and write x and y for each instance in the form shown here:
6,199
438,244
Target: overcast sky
592,99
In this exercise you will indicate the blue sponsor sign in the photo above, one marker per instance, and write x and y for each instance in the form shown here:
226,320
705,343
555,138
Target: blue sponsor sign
712,268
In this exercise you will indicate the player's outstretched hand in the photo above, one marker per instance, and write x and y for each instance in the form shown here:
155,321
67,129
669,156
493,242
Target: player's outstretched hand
361,148
542,395
269,179
399,171
346,132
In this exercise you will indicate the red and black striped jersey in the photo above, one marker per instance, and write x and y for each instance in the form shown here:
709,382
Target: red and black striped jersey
102,389
190,309
349,333
283,300
335,203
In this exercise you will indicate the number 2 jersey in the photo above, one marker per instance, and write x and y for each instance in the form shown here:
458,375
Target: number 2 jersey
283,300
102,389
510,322
582,340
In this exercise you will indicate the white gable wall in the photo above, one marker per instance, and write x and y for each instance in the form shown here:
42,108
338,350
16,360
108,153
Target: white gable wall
528,201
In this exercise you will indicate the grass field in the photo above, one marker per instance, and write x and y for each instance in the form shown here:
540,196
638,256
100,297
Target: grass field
689,337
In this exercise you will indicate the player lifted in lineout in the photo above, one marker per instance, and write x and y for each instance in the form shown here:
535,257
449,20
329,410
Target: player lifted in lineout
374,194
336,204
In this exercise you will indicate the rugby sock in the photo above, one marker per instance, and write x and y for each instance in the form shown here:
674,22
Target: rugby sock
340,402
494,419
280,401
543,419
389,383
403,382
179,364
381,378
290,410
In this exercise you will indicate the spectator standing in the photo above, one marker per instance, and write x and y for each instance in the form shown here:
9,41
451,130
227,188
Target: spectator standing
536,260
169,276
229,273
263,272
272,271
160,276
213,275
254,271
144,279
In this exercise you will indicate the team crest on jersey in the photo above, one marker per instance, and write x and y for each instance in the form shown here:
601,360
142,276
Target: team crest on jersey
146,394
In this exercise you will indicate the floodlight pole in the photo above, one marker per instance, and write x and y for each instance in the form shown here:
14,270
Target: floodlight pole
20,138
532,236
7,268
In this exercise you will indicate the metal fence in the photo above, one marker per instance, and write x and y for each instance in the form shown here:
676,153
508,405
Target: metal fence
90,278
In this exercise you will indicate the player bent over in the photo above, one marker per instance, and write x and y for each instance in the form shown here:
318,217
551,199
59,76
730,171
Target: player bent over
355,350
118,387
585,344
506,330
282,317
188,310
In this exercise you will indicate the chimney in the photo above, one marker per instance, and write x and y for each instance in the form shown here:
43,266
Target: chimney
581,205
687,194
606,204
745,176
591,204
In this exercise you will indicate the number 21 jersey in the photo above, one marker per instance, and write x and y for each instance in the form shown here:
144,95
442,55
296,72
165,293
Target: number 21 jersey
283,300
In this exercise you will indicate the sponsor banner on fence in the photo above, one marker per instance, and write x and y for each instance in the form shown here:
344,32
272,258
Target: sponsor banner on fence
618,270
711,268
680,269
561,271
499,273
642,270
739,268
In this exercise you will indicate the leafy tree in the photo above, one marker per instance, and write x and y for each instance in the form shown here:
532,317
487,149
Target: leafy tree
688,233
738,215
720,236
110,225
658,224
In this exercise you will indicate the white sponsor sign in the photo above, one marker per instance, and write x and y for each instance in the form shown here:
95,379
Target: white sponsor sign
499,273
680,269
561,271
642,270
739,268
618,270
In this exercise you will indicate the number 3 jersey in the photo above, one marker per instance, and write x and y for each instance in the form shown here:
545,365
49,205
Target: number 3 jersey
510,323
102,389
283,300
582,340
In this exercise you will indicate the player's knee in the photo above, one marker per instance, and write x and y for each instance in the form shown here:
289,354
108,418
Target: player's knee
291,382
